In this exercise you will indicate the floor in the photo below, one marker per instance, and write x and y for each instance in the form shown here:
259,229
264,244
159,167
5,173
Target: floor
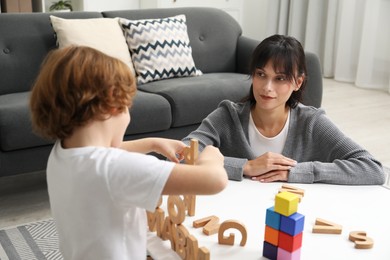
361,114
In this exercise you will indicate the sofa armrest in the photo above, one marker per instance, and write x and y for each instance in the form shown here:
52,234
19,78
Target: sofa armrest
313,92
245,47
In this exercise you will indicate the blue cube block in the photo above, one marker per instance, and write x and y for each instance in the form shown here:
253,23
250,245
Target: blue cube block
292,224
272,218
270,251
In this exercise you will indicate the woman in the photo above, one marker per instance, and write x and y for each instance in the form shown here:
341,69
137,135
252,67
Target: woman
271,136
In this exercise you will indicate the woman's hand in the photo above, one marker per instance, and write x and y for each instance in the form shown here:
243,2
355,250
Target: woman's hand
269,167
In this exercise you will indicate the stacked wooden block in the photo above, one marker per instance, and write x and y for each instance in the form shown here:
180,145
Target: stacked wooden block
284,228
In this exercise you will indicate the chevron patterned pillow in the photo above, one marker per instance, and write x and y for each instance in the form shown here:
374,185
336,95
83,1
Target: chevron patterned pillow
160,48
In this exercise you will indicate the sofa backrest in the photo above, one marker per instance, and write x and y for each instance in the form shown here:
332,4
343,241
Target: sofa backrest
25,39
212,32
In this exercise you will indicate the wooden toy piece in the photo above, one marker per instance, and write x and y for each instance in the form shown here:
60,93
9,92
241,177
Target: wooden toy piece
292,189
203,254
168,232
326,227
190,157
292,224
176,209
189,201
191,153
290,243
156,220
229,240
286,203
271,235
192,248
210,225
284,254
361,240
270,251
181,241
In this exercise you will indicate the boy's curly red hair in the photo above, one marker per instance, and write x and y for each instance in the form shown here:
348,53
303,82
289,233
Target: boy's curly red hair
75,85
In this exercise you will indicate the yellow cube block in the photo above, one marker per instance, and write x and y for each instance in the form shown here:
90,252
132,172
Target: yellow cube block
286,203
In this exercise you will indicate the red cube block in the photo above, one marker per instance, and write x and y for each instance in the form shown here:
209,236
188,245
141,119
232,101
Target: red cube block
290,243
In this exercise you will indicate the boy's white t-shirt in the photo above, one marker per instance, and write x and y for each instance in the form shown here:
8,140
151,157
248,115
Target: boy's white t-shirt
98,198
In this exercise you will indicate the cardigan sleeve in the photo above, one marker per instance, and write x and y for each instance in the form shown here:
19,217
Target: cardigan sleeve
331,157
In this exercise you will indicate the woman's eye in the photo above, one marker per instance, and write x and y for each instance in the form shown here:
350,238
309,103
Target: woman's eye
260,74
281,78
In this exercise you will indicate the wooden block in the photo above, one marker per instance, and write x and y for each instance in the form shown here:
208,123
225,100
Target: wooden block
271,235
293,189
229,240
284,254
286,203
210,225
167,232
156,220
190,202
290,243
176,209
323,226
181,241
192,248
292,224
203,254
191,153
361,240
272,218
270,251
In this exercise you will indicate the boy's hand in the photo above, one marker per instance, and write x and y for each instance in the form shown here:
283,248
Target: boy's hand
210,154
172,149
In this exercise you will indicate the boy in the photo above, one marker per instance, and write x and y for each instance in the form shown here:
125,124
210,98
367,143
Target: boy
99,186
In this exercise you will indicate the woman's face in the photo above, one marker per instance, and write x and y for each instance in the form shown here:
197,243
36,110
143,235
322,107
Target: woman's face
272,89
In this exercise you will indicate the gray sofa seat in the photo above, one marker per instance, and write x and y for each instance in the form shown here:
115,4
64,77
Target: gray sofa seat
168,108
192,98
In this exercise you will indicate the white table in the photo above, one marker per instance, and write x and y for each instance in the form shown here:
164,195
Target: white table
354,207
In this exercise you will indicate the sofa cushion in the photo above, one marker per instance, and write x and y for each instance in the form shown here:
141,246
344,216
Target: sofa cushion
160,48
15,123
213,47
25,39
193,98
103,34
149,113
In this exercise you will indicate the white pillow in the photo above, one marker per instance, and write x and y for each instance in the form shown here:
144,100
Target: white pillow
160,48
103,34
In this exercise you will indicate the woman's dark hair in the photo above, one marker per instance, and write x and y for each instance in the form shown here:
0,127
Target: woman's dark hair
287,56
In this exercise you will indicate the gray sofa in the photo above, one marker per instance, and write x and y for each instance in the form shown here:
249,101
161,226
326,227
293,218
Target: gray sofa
166,108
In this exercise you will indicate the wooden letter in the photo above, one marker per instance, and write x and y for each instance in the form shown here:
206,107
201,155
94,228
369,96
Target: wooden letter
181,241
203,254
192,248
361,240
176,209
190,157
156,220
210,225
326,227
190,201
191,153
292,189
230,239
168,232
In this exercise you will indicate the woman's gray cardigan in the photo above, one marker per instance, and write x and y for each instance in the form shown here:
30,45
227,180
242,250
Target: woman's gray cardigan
324,154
